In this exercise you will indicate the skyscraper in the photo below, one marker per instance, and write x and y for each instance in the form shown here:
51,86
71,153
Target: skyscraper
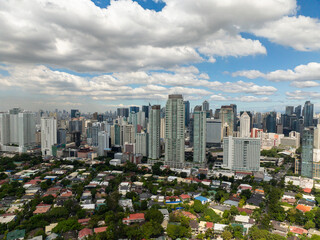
75,113
103,142
289,110
213,132
205,106
48,135
241,154
187,113
235,120
307,152
308,114
227,120
18,128
141,145
134,109
199,135
297,111
271,122
27,130
123,112
154,133
245,125
146,110
174,135
316,153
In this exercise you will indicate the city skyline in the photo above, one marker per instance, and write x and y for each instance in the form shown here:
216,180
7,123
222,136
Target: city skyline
101,54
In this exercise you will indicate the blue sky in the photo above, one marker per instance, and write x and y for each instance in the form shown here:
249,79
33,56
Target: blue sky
261,55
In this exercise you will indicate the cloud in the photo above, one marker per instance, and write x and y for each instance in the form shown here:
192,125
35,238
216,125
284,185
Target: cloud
78,35
299,32
309,72
239,99
301,95
305,84
251,74
189,81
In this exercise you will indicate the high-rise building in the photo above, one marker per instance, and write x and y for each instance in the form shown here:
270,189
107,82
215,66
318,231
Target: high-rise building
145,109
27,130
227,120
241,154
289,110
234,109
134,109
187,113
297,111
316,153
75,113
307,152
205,106
174,135
199,135
142,144
123,112
162,127
48,135
18,129
62,136
271,122
245,125
308,114
213,133
4,128
154,133
103,142
115,134
127,134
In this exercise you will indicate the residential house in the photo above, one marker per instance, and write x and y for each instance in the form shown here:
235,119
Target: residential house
134,218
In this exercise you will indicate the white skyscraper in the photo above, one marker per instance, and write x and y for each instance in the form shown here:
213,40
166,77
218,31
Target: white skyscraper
141,145
154,132
241,154
17,129
245,125
48,135
199,135
103,142
4,128
26,130
174,135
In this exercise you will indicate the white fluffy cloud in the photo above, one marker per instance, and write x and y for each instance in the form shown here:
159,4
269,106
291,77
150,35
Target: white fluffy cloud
299,32
301,95
130,85
78,35
302,75
220,97
305,84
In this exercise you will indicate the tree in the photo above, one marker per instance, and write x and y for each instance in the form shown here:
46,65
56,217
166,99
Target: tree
152,229
197,206
234,210
67,225
226,235
246,194
176,231
310,224
48,199
154,215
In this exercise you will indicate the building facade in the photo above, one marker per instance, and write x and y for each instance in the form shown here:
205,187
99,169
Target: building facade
241,154
154,132
199,135
174,134
48,135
